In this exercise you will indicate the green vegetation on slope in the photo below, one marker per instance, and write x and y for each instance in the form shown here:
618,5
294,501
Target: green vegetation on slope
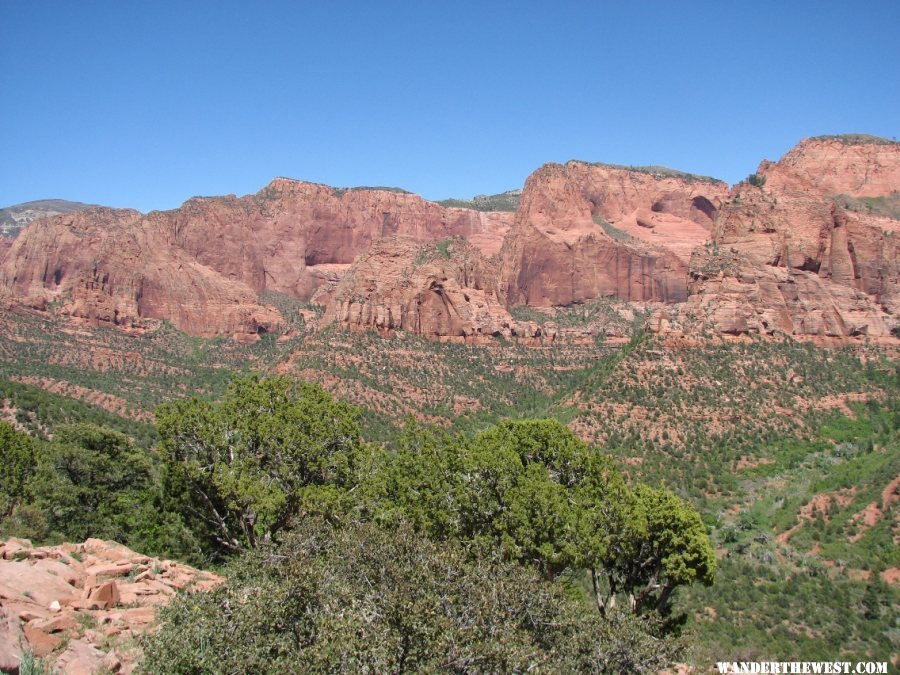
658,171
519,511
800,570
504,201
856,139
887,206
755,434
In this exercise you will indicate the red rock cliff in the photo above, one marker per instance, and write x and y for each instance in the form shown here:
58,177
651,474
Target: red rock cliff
808,256
280,238
110,265
444,290
585,230
203,265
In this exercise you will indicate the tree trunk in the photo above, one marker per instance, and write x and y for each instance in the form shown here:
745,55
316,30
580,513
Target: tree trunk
604,603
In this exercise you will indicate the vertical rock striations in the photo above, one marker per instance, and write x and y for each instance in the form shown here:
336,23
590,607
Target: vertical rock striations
810,243
587,230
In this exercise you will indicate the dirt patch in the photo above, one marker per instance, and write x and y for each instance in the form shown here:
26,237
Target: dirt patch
752,462
838,402
869,516
891,576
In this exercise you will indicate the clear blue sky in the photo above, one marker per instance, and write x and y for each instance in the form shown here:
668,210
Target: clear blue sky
145,104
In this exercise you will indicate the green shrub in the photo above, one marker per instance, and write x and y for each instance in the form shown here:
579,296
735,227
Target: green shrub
365,599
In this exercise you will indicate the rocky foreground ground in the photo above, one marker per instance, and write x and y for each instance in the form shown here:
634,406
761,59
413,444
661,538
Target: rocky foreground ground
79,607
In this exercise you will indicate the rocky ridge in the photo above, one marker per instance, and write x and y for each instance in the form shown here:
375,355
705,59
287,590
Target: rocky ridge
786,256
806,246
77,606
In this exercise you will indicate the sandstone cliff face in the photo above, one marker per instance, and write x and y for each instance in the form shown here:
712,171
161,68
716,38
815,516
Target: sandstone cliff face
810,247
731,295
856,165
203,265
803,262
584,231
275,239
444,290
109,265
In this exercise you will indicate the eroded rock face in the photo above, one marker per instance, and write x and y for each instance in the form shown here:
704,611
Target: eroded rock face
585,231
78,606
444,290
277,238
113,266
811,243
730,295
802,260
202,266
859,166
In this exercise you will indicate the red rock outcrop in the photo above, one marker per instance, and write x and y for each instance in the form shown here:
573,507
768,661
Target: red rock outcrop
275,239
589,230
203,265
77,606
739,297
439,290
810,247
854,164
114,266
801,261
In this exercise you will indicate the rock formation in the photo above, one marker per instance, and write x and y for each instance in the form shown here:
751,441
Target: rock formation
276,239
803,256
203,265
114,266
806,246
14,218
448,289
76,606
590,230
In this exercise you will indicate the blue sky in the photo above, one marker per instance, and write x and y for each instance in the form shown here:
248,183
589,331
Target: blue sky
147,104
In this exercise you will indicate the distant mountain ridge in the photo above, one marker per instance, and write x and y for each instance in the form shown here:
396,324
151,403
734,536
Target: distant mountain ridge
14,218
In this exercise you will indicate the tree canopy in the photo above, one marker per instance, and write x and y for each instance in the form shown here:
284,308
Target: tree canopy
665,546
538,493
16,466
268,451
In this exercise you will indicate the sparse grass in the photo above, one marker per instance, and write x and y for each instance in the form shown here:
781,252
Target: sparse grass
339,192
888,206
712,260
526,313
856,139
443,248
86,620
658,171
504,201
614,232
31,665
